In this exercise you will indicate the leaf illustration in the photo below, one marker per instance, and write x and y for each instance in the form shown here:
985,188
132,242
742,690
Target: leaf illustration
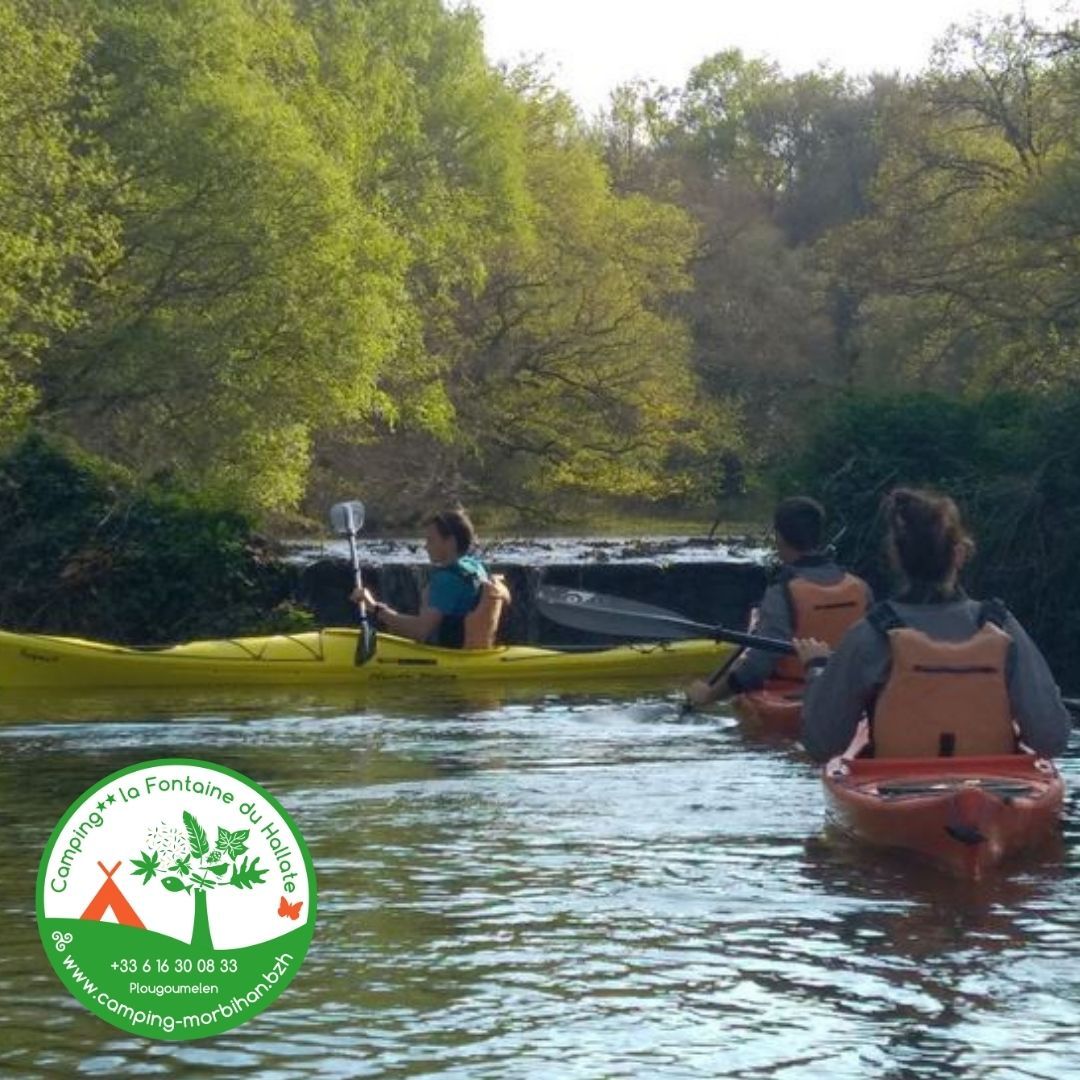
196,836
246,874
147,866
182,866
175,884
232,843
218,868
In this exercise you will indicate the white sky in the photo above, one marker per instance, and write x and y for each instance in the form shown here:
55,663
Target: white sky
590,46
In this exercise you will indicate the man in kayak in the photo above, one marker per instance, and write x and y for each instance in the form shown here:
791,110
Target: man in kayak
813,591
939,673
462,603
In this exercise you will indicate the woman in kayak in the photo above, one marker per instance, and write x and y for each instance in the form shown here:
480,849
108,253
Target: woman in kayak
936,672
814,597
462,603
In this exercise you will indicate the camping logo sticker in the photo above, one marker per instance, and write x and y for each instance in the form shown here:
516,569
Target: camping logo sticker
176,899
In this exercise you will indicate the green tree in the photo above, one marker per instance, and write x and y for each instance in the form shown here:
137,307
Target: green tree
253,294
968,264
573,371
766,165
192,865
56,238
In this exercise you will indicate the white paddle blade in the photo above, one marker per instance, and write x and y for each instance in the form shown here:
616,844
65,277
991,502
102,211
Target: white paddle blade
347,517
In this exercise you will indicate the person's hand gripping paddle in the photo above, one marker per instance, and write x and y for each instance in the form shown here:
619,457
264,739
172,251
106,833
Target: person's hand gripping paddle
347,519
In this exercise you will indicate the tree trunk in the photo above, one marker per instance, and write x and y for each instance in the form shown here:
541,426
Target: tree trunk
200,931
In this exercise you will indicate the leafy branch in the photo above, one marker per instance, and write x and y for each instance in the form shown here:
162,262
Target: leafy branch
147,866
196,836
205,868
246,874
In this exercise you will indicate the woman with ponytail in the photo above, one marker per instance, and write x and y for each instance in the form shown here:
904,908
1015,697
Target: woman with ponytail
936,672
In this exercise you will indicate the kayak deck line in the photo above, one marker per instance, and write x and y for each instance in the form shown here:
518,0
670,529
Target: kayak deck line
240,643
993,787
326,656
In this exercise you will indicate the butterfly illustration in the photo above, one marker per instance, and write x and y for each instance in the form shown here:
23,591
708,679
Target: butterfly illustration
290,910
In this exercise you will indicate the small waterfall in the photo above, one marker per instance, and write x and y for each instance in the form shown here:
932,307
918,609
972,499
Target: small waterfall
712,592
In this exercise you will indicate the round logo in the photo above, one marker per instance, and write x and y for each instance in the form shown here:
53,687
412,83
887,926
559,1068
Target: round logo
176,899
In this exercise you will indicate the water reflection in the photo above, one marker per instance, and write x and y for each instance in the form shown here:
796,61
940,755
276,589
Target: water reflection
561,886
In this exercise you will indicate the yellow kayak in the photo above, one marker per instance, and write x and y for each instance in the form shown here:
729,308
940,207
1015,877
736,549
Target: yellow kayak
328,657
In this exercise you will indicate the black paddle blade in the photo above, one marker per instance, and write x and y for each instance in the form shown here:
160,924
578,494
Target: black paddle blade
366,642
616,617
612,615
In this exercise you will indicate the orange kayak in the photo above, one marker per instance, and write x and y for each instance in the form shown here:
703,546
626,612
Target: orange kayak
776,707
964,814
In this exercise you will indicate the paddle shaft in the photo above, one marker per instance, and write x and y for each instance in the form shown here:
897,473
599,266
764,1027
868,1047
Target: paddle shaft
357,576
752,641
725,667
688,706
348,518
367,635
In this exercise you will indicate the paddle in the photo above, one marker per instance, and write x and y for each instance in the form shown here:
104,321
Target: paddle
614,616
347,519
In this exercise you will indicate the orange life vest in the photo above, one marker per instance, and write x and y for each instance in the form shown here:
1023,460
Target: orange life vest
482,623
944,698
825,612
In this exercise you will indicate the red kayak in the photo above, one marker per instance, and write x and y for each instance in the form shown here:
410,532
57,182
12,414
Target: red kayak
776,707
964,814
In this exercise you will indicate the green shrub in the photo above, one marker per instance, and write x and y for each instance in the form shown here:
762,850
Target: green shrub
86,550
1011,461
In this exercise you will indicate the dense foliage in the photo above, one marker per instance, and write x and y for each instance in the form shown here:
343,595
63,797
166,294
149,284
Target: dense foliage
241,240
236,235
873,233
86,550
1011,461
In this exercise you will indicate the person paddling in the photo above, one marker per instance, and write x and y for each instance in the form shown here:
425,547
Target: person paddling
937,672
462,603
814,597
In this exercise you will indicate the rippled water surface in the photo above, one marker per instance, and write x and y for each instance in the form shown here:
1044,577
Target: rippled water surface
580,886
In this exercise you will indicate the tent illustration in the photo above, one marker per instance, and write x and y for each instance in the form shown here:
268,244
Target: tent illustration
110,896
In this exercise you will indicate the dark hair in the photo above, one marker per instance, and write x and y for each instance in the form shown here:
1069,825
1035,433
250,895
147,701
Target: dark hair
925,532
455,523
800,522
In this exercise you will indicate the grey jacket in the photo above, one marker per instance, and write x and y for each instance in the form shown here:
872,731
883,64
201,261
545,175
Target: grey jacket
774,620
839,694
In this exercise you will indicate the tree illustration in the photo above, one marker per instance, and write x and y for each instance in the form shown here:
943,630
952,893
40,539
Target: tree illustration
197,868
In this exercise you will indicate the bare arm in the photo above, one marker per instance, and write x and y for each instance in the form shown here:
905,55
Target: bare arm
418,627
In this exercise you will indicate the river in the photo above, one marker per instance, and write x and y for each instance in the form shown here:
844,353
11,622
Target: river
559,886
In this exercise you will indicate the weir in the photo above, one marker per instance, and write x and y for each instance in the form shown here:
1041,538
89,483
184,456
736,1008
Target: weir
711,582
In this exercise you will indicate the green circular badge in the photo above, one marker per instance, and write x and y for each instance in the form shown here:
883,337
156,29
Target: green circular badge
176,899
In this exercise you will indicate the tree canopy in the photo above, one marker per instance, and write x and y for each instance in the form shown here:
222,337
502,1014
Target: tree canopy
272,248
